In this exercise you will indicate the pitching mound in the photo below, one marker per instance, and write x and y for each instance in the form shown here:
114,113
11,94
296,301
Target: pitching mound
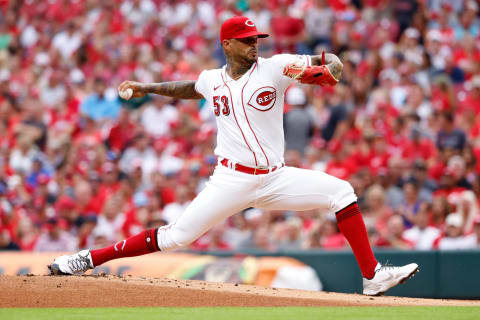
112,291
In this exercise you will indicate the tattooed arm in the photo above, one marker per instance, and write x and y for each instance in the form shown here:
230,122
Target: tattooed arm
174,89
333,64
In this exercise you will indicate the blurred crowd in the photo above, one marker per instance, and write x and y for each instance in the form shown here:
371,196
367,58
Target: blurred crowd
80,167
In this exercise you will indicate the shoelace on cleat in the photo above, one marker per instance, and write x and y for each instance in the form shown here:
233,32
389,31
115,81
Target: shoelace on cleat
80,263
387,266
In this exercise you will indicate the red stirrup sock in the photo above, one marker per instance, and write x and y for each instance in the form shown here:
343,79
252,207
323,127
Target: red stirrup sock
137,245
350,223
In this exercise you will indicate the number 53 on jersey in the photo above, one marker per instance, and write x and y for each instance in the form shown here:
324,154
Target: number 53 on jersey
220,105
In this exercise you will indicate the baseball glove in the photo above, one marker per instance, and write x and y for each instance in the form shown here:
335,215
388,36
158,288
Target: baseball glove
320,75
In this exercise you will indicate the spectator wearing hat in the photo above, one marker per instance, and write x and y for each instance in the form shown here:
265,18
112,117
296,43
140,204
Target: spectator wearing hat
239,234
68,40
426,185
468,23
453,180
338,112
98,106
55,238
85,201
37,173
109,183
140,149
288,234
453,238
410,43
111,220
33,124
54,91
404,11
467,206
422,235
22,157
377,213
6,242
319,20
26,234
471,104
287,29
86,225
162,188
340,165
297,122
330,236
448,136
182,199
138,216
157,117
418,147
122,133
379,154
66,210
473,239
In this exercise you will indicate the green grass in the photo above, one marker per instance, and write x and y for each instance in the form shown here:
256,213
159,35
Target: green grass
232,313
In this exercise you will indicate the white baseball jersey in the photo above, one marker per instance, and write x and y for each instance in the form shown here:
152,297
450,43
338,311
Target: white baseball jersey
249,114
249,111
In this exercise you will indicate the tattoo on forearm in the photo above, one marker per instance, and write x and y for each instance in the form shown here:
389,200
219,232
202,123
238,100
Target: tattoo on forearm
333,64
175,89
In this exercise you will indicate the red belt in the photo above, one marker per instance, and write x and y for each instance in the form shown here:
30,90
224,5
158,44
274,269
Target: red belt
249,170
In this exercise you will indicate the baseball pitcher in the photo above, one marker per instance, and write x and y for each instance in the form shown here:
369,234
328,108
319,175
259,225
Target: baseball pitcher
246,96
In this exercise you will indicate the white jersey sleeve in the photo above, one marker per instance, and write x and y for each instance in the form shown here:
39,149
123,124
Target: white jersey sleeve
201,84
280,61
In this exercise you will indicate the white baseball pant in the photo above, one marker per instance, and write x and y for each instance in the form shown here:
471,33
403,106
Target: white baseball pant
229,192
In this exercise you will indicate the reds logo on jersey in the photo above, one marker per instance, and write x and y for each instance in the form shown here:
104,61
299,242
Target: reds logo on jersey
263,99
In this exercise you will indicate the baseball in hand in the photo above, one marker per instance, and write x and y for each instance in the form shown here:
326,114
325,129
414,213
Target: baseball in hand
126,94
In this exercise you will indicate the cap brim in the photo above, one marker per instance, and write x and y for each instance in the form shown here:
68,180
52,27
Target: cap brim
252,34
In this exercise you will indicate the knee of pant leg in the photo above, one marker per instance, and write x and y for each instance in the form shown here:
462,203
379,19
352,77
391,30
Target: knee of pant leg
344,196
183,237
171,237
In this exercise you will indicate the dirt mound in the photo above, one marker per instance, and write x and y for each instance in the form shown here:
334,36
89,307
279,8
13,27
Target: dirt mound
112,291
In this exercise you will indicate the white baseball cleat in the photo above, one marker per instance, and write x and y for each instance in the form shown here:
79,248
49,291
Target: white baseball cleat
76,263
386,277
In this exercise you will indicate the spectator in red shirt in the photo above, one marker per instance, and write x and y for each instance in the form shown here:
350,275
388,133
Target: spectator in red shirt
27,234
122,133
110,183
332,239
377,213
440,209
472,99
288,30
393,237
340,166
418,146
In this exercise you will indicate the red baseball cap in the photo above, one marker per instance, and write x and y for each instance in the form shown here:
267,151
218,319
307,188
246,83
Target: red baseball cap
238,28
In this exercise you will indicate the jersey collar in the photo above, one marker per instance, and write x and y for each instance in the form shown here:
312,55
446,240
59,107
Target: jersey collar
244,76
